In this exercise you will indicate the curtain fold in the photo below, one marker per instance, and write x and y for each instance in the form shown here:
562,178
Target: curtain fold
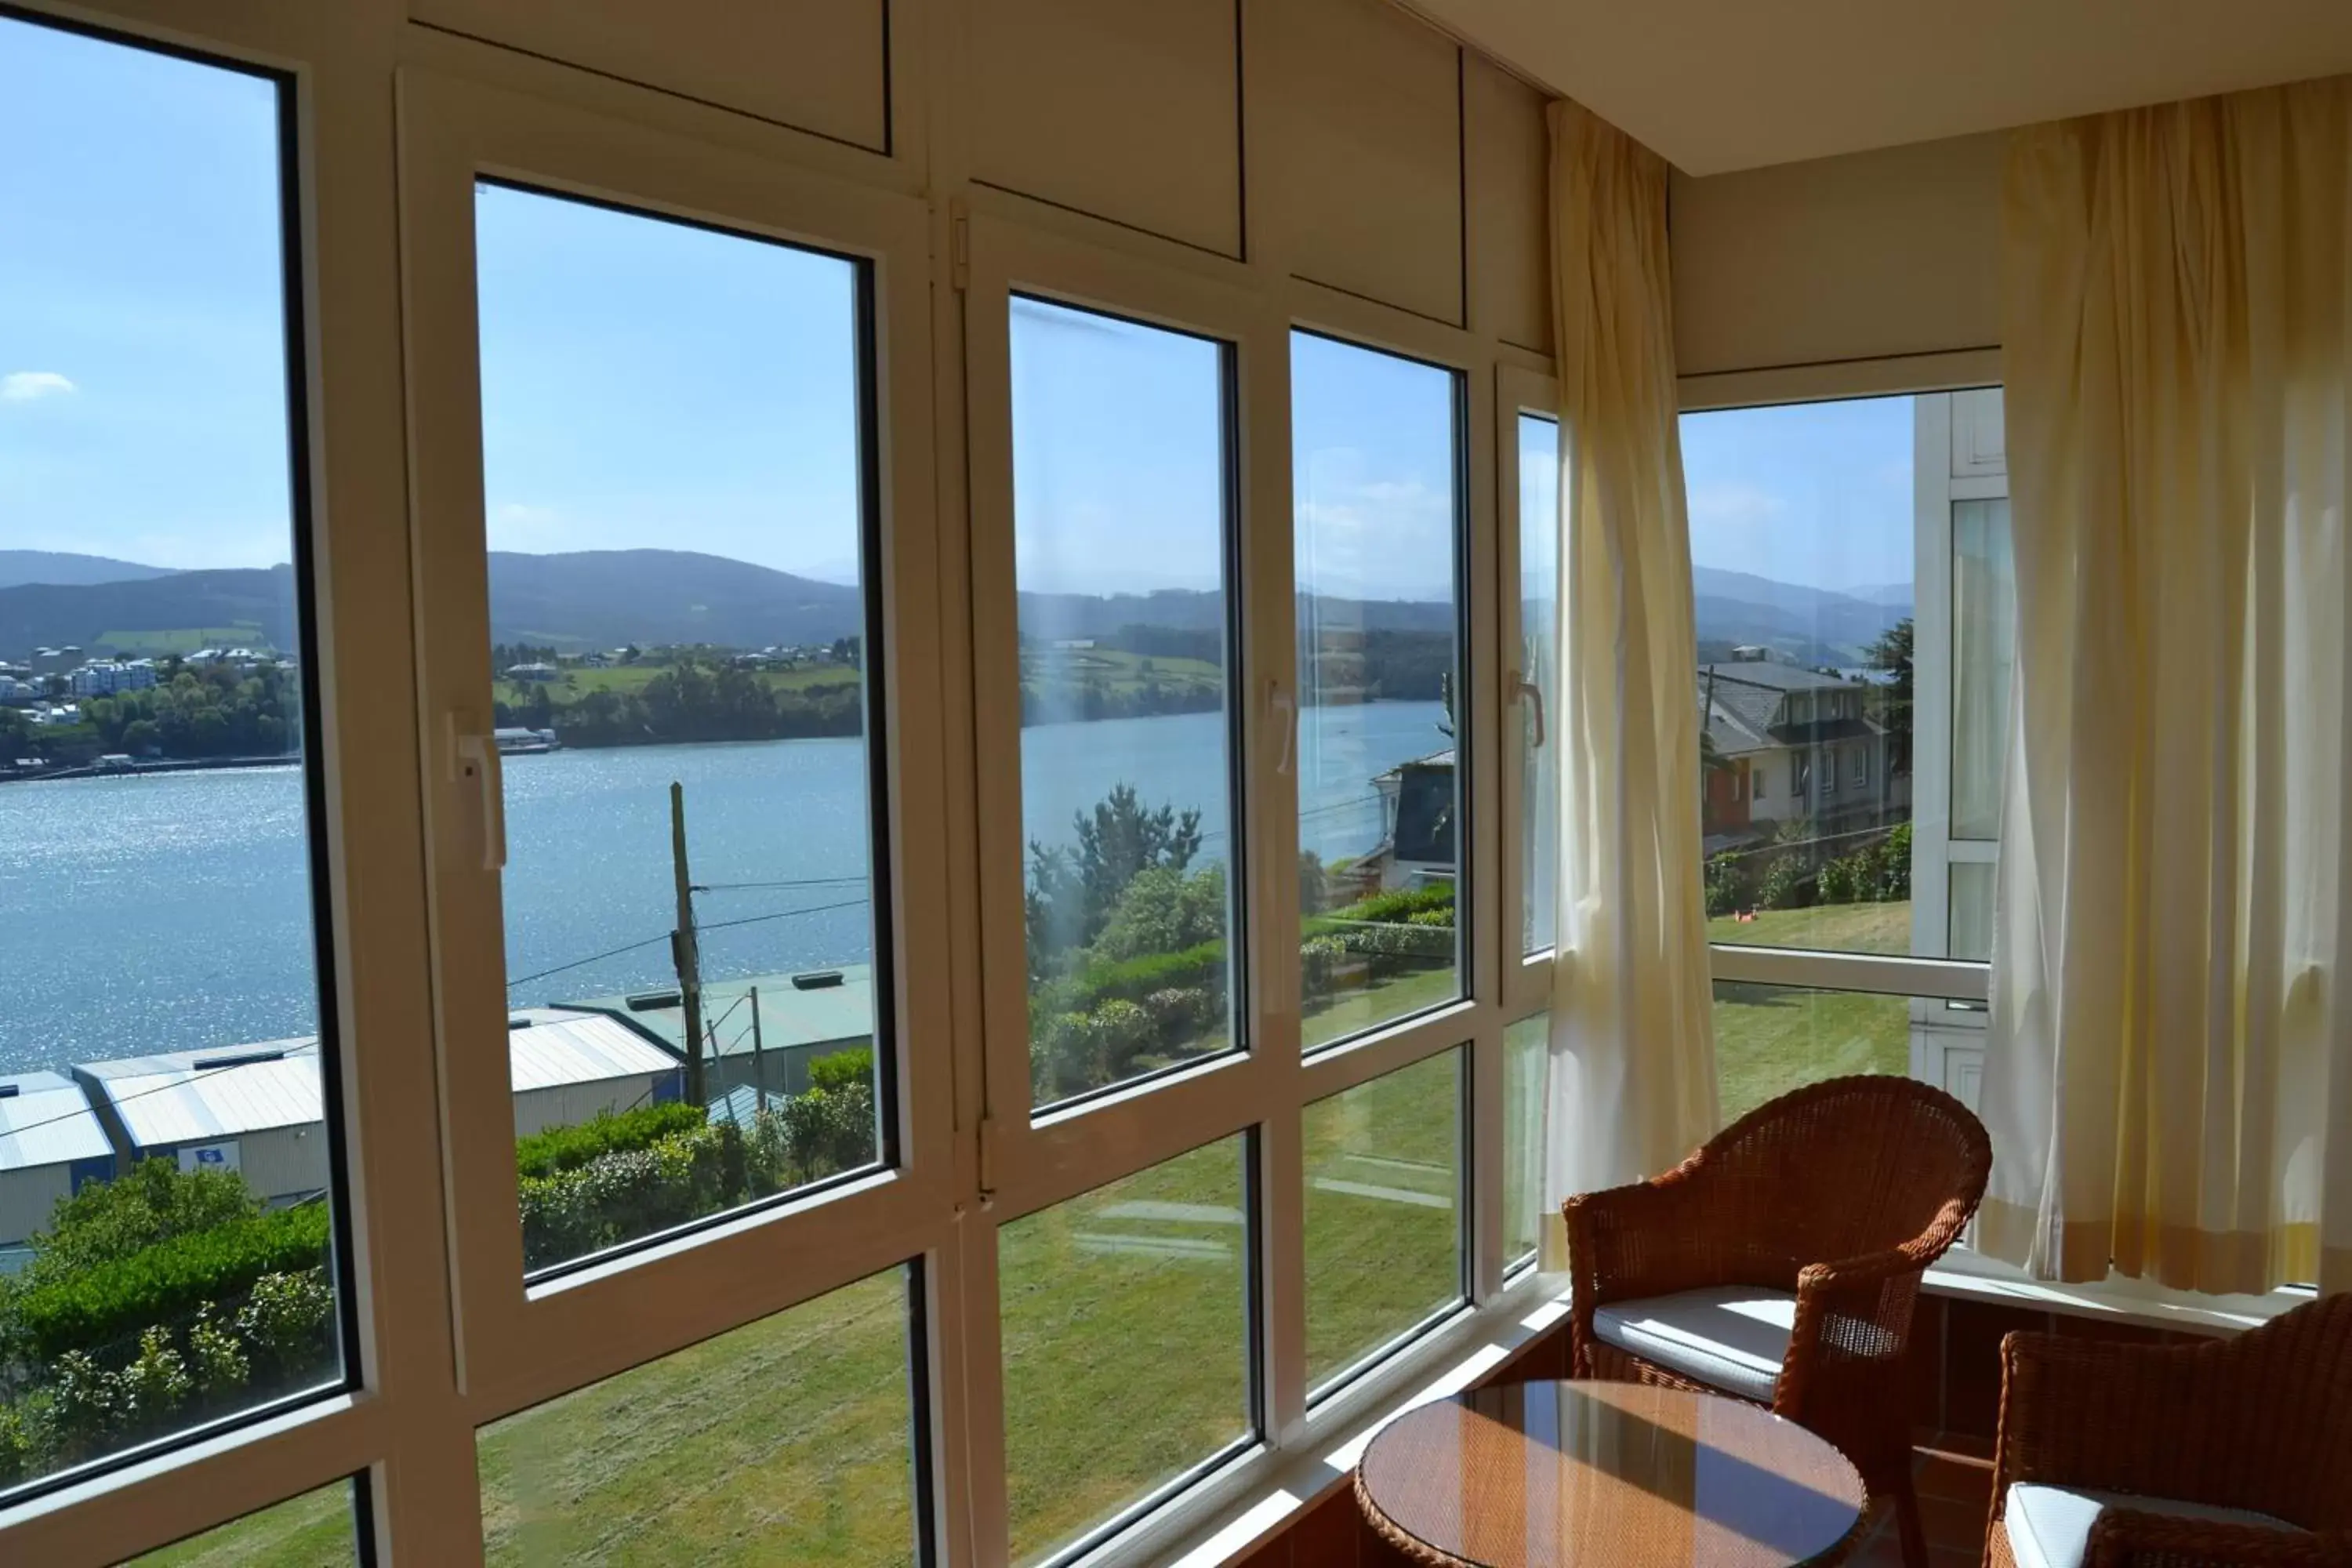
2169,1075
1633,1045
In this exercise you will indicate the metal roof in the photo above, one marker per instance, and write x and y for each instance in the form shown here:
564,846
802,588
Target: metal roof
560,1046
790,1015
47,1122
194,1097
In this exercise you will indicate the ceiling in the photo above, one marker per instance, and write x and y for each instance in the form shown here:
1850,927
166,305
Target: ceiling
1717,85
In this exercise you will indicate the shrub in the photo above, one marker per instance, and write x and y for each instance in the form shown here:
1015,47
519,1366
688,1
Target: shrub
1398,905
1727,885
216,1355
826,1131
1164,910
107,1305
569,1148
1126,1032
1178,1012
1319,961
1785,886
1067,1057
148,1204
842,1071
1846,879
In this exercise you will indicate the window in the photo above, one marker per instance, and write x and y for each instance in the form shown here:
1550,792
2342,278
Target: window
1851,564
790,1440
169,1057
314,1530
679,609
1126,776
1539,634
1133,1297
1384,1251
1377,513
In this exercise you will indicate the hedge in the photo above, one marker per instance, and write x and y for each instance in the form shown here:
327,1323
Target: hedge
113,1303
568,1148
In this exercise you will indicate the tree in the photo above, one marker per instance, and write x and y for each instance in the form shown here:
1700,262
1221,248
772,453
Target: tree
1892,654
1073,890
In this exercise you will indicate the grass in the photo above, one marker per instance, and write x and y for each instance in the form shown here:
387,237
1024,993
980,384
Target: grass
574,684
1121,671
313,1530
1769,1039
1831,928
1370,1003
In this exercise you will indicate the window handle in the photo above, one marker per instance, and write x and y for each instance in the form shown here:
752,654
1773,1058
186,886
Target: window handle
475,755
1282,712
1530,693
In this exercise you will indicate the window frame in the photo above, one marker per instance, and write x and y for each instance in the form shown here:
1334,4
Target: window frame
523,1342
1525,976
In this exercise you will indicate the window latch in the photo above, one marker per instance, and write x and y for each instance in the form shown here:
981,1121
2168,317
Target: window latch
474,757
1282,713
1529,692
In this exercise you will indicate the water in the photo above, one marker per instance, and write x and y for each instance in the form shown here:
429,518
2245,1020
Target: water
169,912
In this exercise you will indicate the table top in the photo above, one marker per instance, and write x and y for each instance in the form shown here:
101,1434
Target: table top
1545,1475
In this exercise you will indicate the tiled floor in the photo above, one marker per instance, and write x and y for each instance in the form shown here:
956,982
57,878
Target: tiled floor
1954,1479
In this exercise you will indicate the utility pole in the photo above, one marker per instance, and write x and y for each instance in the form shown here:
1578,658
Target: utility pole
683,950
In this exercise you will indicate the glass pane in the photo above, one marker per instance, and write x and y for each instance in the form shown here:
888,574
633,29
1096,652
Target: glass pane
790,1441
164,1171
1769,1039
1383,1212
1527,1074
1971,910
1802,555
313,1530
1539,668
1126,1323
1377,523
1118,437
1984,647
677,611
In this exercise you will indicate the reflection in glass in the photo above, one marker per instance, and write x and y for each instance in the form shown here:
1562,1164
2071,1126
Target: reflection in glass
787,1441
166,1237
1383,1212
1971,910
1127,1343
1802,556
1377,515
1984,649
1527,1073
1769,1039
1120,539
1540,655
671,439
313,1530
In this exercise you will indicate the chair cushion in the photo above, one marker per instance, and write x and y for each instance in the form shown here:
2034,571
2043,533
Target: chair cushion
1732,1336
2050,1527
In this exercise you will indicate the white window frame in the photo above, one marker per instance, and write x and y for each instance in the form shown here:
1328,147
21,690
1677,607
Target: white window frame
1527,975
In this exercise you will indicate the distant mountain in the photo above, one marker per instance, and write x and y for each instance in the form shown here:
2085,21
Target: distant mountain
1897,595
609,598
253,604
1806,625
68,570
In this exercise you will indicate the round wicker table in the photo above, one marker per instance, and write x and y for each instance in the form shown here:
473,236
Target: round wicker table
1534,1474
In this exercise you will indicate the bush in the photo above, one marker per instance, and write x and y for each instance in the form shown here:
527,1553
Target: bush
103,1308
1126,1032
1727,885
1179,1012
842,1071
562,1149
1067,1056
1319,959
283,1323
1786,885
1395,907
1164,910
150,1204
1844,879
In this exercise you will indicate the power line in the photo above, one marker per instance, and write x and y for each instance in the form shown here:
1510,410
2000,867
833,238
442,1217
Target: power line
801,882
579,962
782,914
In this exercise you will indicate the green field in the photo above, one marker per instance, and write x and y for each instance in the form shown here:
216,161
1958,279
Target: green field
1833,928
1121,671
313,1530
574,684
159,644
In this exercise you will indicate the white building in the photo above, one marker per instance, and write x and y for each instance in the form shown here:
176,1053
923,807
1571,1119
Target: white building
50,1143
105,677
765,1044
256,1109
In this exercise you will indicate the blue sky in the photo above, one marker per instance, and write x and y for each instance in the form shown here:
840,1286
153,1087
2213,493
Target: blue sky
647,383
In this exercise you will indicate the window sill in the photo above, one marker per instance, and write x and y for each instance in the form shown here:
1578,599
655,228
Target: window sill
1263,1497
1964,1275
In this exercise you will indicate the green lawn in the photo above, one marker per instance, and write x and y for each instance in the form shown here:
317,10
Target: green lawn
1377,1002
1121,671
574,684
1769,1039
313,1530
1833,928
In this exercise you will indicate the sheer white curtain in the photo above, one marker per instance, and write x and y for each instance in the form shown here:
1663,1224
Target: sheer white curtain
2169,1067
1632,1042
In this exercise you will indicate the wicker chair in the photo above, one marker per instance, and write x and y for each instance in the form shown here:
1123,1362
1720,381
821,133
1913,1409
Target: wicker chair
2232,1452
1780,1262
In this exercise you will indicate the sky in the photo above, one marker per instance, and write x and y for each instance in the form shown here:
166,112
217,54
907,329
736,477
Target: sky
647,383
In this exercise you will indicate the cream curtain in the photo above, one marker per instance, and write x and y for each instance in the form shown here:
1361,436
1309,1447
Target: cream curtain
2168,1078
1633,1044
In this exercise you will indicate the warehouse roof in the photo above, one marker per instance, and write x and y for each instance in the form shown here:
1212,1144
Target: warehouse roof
46,1119
194,1097
815,1007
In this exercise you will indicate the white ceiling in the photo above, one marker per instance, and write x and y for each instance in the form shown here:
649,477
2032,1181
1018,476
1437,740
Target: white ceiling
1715,85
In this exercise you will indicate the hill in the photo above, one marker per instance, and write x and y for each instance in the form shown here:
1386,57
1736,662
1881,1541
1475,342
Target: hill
1807,626
17,566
